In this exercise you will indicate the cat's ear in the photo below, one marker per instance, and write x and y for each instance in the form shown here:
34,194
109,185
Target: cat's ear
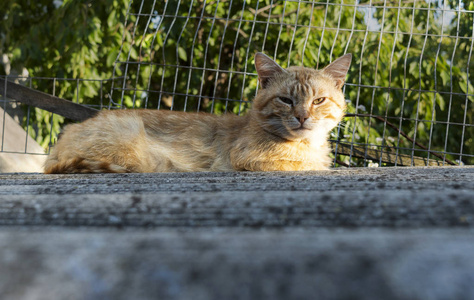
338,69
266,69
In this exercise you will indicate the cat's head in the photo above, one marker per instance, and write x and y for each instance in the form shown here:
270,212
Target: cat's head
300,103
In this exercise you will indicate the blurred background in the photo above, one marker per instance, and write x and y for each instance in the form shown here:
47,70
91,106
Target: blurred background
409,90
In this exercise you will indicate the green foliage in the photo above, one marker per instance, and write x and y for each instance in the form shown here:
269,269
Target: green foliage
407,65
70,40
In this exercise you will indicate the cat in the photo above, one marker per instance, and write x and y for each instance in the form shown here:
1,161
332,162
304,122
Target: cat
285,130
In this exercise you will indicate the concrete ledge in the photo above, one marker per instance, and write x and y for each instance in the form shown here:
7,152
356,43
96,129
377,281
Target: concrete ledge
410,209
401,197
390,233
237,264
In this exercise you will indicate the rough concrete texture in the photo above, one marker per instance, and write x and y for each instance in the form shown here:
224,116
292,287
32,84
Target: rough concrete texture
392,233
236,264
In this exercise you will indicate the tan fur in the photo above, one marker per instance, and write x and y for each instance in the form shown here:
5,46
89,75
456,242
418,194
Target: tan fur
266,139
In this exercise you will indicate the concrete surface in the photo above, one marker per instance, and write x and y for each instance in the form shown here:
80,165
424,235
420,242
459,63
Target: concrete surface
388,233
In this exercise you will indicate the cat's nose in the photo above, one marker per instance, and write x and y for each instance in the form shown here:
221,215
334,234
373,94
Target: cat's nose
302,119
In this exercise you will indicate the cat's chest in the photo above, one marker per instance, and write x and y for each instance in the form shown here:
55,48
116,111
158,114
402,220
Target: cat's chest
279,157
296,151
280,150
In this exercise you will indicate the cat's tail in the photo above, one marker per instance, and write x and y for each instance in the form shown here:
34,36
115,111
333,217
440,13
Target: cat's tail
81,165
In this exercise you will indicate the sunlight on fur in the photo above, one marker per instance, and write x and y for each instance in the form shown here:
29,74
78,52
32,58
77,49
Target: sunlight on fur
286,130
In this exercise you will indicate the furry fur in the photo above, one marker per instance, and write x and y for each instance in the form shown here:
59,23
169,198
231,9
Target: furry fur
286,129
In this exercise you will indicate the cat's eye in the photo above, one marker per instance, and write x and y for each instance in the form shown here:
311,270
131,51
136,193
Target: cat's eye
319,101
286,100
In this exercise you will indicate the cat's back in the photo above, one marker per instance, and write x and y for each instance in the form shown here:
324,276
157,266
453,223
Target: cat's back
143,141
132,121
124,122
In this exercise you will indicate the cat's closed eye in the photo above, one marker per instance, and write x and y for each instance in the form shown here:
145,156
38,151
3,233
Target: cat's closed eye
319,101
286,100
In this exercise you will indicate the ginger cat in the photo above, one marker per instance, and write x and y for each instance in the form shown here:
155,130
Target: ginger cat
286,130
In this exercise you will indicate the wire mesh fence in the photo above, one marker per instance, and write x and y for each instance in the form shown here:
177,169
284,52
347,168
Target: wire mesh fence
409,91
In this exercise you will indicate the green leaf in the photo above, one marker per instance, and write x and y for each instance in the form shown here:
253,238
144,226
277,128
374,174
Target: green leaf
182,53
445,77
